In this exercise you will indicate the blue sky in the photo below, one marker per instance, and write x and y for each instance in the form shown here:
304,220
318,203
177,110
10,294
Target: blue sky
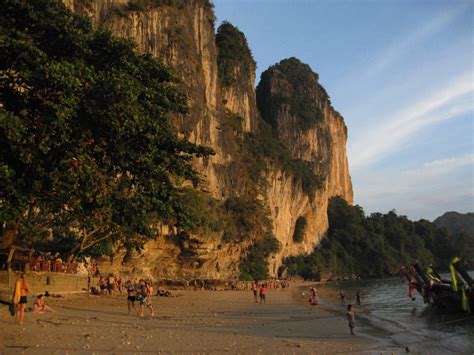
401,73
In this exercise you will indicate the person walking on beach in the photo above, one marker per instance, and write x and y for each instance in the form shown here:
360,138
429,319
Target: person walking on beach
358,297
20,298
314,296
254,290
343,297
144,298
131,297
351,318
263,292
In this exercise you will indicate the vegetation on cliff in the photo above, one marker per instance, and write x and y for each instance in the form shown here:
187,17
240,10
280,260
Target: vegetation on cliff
377,245
263,151
300,227
295,86
234,59
87,155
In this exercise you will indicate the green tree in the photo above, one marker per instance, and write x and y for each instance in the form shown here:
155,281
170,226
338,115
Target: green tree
85,142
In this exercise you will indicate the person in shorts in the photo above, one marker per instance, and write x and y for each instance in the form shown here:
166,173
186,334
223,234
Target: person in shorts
131,298
351,318
144,296
20,298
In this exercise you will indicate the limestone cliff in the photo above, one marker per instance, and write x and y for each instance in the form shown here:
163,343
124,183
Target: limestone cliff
217,73
298,108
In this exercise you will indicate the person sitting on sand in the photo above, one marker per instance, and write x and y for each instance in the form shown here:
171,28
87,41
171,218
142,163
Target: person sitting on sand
144,298
351,318
40,307
163,293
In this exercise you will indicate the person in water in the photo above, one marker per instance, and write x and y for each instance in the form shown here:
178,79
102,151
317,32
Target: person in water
20,298
343,296
40,307
351,318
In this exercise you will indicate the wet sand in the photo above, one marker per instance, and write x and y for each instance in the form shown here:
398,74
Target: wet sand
190,322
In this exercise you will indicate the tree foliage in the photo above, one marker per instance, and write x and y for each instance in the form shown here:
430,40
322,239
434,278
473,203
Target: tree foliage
86,148
233,53
378,244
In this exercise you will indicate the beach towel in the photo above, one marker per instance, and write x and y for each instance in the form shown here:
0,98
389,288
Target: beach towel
17,293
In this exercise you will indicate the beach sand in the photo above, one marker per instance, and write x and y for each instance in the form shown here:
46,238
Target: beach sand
190,322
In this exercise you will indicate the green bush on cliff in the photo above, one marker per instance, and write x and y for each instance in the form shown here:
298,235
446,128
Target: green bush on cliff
262,147
141,5
303,105
233,53
86,148
254,266
300,227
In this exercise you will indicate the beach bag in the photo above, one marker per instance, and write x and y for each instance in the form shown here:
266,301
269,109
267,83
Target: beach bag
12,309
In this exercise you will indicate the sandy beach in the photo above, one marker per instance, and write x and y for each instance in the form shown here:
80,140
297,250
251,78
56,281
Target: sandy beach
189,322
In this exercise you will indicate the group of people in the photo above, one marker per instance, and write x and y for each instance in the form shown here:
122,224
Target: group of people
52,264
259,290
342,296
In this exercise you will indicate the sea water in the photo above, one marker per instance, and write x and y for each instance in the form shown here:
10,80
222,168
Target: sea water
387,314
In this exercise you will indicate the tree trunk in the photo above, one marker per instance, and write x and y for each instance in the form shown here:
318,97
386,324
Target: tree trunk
7,237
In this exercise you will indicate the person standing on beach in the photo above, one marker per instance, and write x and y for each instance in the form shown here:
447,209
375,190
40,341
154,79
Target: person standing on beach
20,298
263,292
144,298
358,297
351,318
131,297
254,289
343,297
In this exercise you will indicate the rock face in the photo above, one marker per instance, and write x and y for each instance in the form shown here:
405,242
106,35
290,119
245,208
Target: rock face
223,109
293,102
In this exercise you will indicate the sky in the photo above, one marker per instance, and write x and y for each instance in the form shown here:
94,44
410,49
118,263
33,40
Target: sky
401,73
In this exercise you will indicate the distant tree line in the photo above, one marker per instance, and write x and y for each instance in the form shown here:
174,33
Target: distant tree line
377,245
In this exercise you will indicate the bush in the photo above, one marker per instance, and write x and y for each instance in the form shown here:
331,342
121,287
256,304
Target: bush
233,52
300,226
255,263
263,145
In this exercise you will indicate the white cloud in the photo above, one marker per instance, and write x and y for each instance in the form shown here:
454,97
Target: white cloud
401,46
375,143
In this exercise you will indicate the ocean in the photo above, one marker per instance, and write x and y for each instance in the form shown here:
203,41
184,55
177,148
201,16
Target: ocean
388,315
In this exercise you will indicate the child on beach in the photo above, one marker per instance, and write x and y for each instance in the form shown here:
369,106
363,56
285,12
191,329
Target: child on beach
351,318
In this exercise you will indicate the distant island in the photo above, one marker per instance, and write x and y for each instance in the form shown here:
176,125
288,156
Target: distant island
456,222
